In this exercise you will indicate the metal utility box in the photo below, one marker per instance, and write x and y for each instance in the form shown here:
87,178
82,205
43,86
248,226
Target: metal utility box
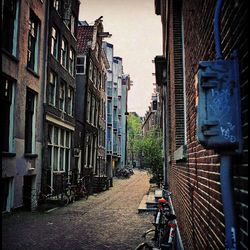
218,118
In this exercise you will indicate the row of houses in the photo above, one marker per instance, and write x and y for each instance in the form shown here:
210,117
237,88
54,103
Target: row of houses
64,94
205,166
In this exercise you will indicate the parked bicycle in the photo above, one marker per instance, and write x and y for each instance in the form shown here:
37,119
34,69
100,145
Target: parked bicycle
50,195
80,190
164,229
125,172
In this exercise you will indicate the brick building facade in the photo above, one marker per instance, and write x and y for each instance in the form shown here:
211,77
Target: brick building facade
60,88
22,40
194,173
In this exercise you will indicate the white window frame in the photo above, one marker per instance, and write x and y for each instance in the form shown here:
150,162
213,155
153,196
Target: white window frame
72,62
70,97
54,42
64,53
53,80
62,97
91,68
81,65
63,147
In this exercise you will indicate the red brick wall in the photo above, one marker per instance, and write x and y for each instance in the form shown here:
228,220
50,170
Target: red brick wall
196,182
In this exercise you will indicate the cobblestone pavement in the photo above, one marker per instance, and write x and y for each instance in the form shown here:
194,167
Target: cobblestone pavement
109,220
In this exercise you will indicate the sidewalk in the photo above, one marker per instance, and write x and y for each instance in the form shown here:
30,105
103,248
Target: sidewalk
109,220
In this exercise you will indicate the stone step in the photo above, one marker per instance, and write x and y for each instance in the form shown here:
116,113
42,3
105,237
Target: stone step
158,194
150,202
143,205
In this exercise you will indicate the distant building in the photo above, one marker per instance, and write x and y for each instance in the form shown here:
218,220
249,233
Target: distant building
22,86
117,87
91,77
125,87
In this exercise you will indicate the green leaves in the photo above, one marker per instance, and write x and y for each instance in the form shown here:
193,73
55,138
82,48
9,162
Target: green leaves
149,148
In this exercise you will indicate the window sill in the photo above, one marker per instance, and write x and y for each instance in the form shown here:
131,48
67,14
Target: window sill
14,58
8,154
32,72
181,153
30,155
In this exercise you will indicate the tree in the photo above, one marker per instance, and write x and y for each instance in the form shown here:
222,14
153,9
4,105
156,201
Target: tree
151,148
134,134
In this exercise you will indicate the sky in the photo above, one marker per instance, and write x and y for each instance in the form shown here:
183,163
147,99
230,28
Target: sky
137,38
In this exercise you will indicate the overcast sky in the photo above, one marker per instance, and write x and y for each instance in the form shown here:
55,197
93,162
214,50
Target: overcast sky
137,38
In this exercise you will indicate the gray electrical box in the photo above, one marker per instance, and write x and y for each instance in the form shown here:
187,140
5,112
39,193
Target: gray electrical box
219,113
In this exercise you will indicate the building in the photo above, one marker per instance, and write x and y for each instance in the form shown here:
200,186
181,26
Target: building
194,172
152,118
123,128
116,110
60,89
22,78
117,87
91,77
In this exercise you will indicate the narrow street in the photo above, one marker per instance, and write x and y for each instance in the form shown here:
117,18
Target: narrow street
108,220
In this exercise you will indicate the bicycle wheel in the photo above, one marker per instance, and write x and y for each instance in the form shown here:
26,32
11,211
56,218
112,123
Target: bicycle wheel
144,246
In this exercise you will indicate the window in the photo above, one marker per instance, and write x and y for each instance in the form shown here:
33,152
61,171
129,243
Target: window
59,144
95,76
88,106
97,109
80,65
72,24
7,194
33,42
30,122
10,25
56,5
92,110
52,88
64,53
62,94
91,70
70,100
72,62
8,112
99,82
97,51
54,42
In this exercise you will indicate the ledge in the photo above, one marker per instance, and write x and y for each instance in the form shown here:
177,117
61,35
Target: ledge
8,154
32,72
180,154
7,53
30,155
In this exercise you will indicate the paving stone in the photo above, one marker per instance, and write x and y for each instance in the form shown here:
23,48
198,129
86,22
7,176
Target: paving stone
109,220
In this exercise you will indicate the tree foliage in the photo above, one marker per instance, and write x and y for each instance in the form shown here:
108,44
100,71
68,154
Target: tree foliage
151,149
147,147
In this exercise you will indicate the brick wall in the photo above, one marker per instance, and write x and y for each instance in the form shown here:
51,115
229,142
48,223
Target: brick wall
196,182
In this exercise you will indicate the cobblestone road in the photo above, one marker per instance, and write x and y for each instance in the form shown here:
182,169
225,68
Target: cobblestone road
108,220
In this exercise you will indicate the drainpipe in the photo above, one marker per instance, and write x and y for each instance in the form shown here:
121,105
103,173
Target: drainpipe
227,200
226,158
217,29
